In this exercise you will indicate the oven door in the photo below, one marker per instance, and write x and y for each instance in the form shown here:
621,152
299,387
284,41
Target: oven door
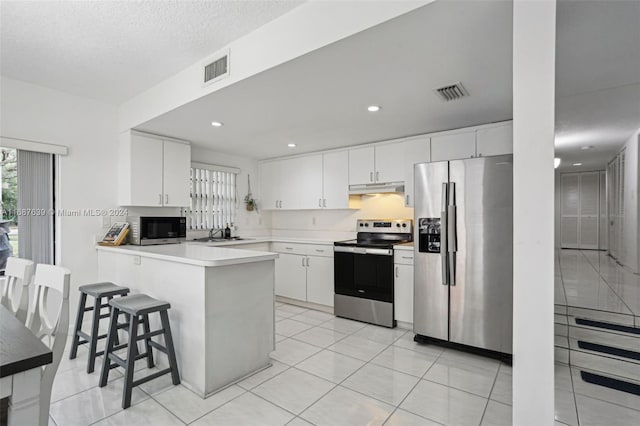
364,272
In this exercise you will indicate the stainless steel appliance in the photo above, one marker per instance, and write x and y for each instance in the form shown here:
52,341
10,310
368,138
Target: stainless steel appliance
363,271
463,279
149,230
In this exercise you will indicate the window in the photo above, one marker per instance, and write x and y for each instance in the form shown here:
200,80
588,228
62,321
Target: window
213,197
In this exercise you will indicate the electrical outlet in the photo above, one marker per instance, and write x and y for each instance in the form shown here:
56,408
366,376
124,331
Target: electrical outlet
136,260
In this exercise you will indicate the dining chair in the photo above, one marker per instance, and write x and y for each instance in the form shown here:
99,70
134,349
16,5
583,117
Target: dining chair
17,275
51,285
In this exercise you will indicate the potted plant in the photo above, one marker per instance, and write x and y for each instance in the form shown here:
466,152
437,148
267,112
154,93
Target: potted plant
249,201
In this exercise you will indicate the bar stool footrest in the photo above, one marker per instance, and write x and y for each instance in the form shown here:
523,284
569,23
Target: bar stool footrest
150,377
159,347
150,334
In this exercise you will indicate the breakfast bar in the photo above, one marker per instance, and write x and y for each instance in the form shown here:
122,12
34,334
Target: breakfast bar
222,305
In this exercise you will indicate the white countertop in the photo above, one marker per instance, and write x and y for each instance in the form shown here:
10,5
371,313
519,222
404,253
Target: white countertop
404,246
253,240
194,254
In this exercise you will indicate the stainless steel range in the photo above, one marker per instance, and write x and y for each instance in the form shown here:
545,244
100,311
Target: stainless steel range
363,270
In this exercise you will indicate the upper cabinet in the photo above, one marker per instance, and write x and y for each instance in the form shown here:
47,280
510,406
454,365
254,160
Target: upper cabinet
376,164
483,142
416,151
154,172
495,140
305,183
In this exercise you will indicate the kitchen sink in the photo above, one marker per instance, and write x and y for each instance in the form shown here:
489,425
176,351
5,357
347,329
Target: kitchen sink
218,240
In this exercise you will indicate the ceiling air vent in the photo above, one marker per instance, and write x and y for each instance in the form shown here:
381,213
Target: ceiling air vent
216,69
452,92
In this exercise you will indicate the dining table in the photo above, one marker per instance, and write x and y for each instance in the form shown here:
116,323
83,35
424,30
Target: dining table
22,356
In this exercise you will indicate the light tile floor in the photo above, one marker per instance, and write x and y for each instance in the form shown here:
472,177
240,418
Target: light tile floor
332,371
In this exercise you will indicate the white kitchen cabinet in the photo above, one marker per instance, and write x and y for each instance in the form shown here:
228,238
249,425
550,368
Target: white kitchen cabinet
403,285
291,276
269,184
153,171
320,280
361,165
416,151
335,180
304,272
494,140
453,146
376,164
302,184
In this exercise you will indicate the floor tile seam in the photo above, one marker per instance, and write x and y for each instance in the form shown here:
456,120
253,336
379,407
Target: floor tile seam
205,414
84,390
608,402
407,410
607,282
306,323
287,410
51,419
323,347
391,368
458,389
361,360
486,406
289,367
122,410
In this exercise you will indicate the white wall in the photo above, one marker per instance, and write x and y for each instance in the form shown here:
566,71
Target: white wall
85,176
631,225
338,224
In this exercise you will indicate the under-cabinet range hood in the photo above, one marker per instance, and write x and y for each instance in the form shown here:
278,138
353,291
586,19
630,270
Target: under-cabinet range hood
376,188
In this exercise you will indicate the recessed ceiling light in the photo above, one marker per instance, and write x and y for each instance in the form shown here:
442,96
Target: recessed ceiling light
216,124
577,164
586,147
373,108
556,162
291,145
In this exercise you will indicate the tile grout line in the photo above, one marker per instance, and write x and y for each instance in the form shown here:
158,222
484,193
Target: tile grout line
495,380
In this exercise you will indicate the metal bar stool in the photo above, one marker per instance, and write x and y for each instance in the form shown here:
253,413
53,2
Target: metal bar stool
138,307
98,291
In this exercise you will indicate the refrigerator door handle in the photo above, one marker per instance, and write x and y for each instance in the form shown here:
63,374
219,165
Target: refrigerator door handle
452,237
444,252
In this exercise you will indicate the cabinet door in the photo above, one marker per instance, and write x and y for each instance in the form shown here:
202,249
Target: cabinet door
403,293
291,276
320,280
453,147
416,151
495,141
269,185
146,171
335,180
302,183
389,160
176,164
361,164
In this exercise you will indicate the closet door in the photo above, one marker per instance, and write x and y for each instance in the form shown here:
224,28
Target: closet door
570,207
603,228
589,202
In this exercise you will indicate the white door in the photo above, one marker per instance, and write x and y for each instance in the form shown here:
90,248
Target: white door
589,209
291,276
416,151
389,161
495,140
602,230
269,185
146,171
403,293
361,164
335,180
302,183
177,164
320,287
569,210
453,147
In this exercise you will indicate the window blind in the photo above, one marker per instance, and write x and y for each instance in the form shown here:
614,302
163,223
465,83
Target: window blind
213,197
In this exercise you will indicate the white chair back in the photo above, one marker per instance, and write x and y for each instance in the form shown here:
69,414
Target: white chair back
49,281
17,275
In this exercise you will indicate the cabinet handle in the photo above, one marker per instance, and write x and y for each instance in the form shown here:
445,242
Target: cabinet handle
407,257
307,262
396,272
303,261
370,176
160,199
407,199
324,202
280,203
319,202
377,176
288,248
320,251
166,198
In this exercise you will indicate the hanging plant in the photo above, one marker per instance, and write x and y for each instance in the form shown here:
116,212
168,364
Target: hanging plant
249,201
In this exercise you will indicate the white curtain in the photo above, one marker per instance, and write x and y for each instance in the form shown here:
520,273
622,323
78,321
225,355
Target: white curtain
35,206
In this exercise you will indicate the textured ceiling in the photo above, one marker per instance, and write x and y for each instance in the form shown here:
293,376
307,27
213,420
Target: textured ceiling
113,50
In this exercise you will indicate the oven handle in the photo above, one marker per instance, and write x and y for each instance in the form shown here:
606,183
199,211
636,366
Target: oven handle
363,250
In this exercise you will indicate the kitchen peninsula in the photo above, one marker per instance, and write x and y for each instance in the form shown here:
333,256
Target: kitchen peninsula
222,305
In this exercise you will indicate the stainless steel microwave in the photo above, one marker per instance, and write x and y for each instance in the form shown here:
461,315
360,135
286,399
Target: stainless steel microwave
149,230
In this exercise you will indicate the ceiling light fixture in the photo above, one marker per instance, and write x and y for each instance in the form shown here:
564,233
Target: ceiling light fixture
291,145
556,162
373,108
584,148
577,164
216,124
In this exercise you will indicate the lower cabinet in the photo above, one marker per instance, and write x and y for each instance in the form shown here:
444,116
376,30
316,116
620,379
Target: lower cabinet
305,272
403,287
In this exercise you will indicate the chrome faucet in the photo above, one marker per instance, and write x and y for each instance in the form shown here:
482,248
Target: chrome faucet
214,231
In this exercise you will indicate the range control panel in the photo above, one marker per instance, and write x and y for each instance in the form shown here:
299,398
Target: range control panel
387,226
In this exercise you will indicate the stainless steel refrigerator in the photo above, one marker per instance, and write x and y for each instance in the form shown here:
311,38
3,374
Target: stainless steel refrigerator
463,279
